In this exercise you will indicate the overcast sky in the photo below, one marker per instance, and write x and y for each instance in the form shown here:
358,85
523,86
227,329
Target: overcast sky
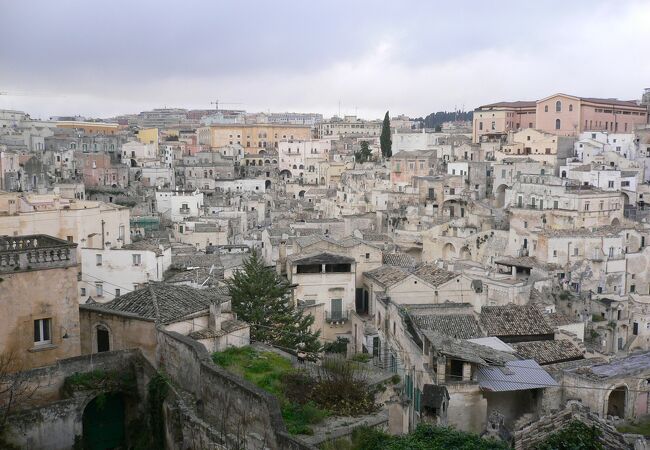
102,58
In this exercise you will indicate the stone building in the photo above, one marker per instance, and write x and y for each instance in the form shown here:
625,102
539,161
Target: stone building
38,294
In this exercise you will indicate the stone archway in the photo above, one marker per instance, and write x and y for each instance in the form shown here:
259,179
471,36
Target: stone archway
301,194
500,196
465,253
285,174
617,401
448,251
616,222
104,422
267,184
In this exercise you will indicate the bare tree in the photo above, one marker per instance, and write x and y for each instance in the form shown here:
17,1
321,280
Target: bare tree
15,386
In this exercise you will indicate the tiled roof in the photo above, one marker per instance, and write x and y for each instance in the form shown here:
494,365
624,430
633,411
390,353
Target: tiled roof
433,274
465,350
163,303
321,258
558,319
199,275
549,352
387,275
399,260
514,320
461,326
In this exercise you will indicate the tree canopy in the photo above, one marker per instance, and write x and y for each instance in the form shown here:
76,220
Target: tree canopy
364,154
262,298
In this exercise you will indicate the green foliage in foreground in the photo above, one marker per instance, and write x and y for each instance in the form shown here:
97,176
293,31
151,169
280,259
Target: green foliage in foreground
425,437
268,370
575,436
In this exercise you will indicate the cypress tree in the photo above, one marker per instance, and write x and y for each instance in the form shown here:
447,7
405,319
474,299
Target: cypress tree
384,139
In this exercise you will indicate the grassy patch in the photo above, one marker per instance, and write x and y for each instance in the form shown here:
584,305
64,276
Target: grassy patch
642,427
267,370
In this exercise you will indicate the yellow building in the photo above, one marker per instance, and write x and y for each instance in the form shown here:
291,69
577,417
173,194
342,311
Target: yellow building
252,136
148,136
90,127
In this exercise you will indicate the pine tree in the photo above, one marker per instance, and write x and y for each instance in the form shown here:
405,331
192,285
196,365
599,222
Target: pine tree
384,139
261,298
364,154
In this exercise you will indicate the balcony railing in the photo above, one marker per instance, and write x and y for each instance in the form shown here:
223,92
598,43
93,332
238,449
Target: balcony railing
35,252
337,316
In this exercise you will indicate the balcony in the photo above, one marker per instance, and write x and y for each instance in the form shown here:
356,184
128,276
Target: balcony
35,252
337,316
185,211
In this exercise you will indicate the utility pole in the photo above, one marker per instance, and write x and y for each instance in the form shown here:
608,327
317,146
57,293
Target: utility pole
103,241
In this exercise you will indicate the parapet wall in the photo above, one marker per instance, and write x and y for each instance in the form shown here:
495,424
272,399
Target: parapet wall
229,405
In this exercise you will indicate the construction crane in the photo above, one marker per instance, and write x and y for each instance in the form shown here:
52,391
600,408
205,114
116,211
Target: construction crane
217,102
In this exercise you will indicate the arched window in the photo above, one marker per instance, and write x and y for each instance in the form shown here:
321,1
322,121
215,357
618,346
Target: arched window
546,108
557,124
570,107
558,106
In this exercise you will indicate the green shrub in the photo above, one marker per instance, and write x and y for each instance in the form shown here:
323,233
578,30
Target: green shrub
362,357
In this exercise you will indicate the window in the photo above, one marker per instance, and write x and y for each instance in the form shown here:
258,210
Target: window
69,238
83,292
586,206
42,331
558,124
99,289
121,233
117,292
494,126
98,259
480,125
610,184
367,255
570,107
558,106
554,253
546,108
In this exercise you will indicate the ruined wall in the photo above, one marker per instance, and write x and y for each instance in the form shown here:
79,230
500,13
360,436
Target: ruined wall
232,405
47,420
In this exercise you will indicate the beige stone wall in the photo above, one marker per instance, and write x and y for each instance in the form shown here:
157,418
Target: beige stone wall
39,294
124,333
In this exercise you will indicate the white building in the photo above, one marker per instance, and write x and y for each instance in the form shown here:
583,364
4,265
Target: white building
241,185
177,205
107,272
137,154
300,157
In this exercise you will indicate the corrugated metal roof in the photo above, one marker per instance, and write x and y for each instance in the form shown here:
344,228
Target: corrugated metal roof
514,376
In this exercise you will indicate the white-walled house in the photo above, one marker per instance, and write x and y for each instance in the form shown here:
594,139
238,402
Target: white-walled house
178,205
241,185
110,272
300,157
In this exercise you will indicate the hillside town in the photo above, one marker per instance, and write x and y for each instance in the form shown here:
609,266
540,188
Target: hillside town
490,275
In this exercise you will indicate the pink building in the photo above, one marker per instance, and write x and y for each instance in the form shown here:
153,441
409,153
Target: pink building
560,114
567,115
97,170
408,164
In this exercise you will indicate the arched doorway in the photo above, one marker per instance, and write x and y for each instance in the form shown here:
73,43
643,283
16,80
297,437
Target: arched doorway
103,422
267,184
448,251
285,174
616,222
301,194
465,253
103,339
616,402
500,197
